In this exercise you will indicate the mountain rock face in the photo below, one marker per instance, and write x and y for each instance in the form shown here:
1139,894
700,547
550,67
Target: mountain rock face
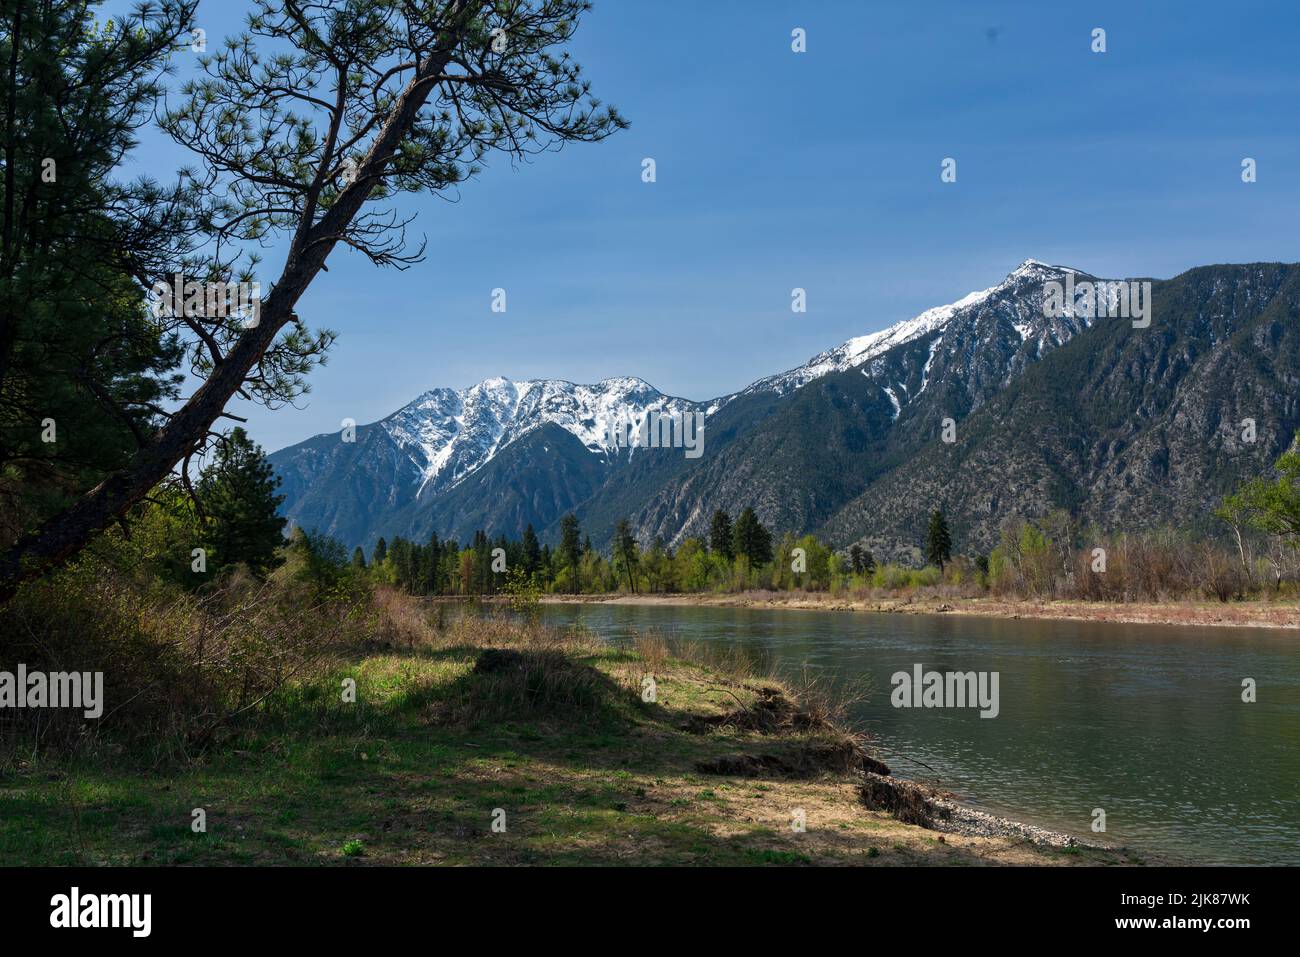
1126,427
425,468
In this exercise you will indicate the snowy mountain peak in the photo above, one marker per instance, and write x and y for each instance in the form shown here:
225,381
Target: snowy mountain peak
449,434
861,349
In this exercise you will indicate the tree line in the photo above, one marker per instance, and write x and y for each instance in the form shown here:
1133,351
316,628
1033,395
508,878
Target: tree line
239,526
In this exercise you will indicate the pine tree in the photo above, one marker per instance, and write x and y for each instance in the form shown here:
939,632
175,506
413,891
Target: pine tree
625,552
77,346
855,558
570,556
358,558
720,535
238,496
307,128
482,564
532,551
751,539
381,551
938,542
433,567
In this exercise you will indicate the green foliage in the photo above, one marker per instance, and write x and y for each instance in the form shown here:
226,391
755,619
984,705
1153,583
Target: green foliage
1035,550
938,540
242,524
720,535
532,550
1270,507
83,367
818,556
570,551
861,562
893,577
625,553
692,569
523,591
750,539
320,563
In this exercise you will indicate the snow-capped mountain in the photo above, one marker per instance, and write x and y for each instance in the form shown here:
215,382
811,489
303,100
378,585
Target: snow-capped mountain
808,448
449,434
408,463
1031,275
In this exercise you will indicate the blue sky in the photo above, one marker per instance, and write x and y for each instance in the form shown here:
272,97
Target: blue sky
818,170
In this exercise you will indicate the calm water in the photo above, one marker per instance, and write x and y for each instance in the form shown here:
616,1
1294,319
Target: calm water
1144,721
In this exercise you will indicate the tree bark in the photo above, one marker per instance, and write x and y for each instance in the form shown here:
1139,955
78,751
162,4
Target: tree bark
64,535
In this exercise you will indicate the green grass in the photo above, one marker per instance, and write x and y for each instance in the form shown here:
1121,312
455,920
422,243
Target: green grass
415,771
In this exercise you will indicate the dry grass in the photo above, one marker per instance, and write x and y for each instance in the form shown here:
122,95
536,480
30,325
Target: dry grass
458,714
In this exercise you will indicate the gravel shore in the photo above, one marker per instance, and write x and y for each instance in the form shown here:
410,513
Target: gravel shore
973,823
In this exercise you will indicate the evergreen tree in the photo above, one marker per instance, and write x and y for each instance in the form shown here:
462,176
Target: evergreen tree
381,551
358,558
862,561
751,539
306,126
938,542
625,552
433,566
240,506
532,551
400,554
482,564
720,535
570,556
78,349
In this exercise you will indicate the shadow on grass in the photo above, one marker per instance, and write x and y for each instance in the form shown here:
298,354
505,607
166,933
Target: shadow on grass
537,758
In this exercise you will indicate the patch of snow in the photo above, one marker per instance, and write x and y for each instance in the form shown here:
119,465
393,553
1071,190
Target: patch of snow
893,400
929,361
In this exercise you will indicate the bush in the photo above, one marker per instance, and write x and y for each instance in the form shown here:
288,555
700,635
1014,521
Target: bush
179,668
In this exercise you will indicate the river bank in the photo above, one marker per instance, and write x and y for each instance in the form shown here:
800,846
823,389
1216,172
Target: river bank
489,740
1209,614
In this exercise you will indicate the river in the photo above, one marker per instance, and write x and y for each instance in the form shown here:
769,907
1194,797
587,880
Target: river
1145,722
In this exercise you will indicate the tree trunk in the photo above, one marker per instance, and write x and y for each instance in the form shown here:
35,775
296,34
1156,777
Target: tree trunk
67,533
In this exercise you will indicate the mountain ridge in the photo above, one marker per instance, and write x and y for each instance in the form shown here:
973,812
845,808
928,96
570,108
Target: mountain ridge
803,446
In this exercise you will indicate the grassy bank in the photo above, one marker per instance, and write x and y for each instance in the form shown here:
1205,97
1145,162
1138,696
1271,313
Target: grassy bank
460,718
1245,614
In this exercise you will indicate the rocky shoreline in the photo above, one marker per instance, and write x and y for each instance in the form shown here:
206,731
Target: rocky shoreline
970,822
916,803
